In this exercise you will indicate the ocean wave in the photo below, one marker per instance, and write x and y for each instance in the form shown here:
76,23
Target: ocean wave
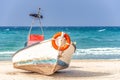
6,55
7,29
101,30
7,52
97,53
91,53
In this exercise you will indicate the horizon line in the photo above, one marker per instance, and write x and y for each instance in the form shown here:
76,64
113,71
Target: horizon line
60,26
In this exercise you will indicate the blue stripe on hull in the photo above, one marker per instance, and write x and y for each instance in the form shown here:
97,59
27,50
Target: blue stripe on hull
50,61
61,63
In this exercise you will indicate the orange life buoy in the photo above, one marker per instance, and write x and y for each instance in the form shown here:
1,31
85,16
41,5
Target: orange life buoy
63,47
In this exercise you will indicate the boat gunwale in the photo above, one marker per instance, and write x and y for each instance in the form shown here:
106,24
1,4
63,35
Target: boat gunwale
30,46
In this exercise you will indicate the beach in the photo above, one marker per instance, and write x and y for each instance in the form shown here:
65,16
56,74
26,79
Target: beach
78,70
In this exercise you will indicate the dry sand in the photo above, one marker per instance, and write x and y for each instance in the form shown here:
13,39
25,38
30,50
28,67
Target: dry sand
78,70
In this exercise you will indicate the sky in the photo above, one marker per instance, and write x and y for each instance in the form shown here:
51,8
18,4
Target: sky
61,12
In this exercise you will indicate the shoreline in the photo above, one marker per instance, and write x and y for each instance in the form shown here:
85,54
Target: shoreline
78,70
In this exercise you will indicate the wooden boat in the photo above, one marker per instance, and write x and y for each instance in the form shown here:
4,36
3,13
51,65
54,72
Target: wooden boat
46,56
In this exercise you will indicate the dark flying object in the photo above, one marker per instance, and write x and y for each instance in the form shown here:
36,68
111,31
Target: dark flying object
36,15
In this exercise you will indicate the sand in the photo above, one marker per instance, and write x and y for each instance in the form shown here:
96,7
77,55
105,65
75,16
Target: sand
78,70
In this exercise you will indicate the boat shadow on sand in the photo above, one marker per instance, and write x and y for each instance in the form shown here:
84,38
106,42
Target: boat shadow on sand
70,72
78,73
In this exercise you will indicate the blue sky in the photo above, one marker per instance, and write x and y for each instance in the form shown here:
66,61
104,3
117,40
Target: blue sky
61,12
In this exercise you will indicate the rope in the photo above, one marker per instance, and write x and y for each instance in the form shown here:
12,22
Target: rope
60,52
41,27
30,29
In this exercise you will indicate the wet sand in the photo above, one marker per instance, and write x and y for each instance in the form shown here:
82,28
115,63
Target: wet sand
78,70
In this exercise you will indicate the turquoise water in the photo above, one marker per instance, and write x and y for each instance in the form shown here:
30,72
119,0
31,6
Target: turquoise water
92,42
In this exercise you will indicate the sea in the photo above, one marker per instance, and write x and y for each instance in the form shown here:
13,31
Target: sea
92,42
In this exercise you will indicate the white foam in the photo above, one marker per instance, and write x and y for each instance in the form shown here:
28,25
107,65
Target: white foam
101,30
7,29
98,51
7,52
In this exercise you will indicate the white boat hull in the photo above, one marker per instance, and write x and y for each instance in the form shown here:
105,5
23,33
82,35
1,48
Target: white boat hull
42,58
